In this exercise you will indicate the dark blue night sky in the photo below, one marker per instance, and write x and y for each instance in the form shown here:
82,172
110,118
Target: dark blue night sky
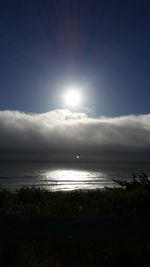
100,46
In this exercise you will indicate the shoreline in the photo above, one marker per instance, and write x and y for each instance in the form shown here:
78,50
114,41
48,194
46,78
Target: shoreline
128,199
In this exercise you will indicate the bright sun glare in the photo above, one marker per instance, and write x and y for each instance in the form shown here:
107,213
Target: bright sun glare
72,98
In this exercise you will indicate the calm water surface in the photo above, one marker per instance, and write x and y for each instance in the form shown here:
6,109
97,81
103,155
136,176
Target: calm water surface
71,177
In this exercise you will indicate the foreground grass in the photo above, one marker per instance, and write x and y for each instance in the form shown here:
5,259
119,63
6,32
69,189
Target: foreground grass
75,255
131,199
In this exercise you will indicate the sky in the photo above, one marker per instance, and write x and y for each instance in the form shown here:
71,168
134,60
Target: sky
99,47
62,135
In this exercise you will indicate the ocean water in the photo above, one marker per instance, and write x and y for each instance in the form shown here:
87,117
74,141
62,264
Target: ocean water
57,177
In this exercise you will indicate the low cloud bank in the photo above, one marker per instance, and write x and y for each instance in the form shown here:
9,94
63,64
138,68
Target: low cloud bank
62,134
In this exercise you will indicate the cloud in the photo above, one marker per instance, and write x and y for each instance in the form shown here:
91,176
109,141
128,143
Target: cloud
62,134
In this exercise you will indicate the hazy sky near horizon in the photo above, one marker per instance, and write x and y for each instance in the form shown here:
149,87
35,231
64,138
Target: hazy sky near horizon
62,135
101,46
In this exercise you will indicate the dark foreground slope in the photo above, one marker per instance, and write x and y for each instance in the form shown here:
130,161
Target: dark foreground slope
74,241
94,228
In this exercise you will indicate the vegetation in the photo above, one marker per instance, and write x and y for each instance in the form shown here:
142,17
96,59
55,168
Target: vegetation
130,199
75,255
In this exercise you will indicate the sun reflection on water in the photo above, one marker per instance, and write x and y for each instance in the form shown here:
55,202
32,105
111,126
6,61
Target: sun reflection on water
70,175
68,179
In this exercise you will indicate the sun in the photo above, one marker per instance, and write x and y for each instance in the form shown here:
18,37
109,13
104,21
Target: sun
72,98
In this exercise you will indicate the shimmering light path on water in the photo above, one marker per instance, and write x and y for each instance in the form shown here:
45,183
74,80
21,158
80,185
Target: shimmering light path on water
59,178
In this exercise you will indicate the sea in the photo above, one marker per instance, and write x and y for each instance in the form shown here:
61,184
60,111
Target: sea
68,177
